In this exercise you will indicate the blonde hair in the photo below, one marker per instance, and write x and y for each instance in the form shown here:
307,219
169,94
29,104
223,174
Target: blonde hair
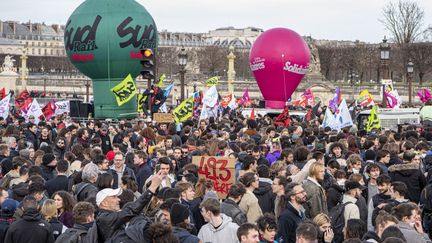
49,210
315,168
278,167
321,219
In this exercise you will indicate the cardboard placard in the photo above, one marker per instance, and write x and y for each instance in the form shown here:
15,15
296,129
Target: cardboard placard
219,170
163,117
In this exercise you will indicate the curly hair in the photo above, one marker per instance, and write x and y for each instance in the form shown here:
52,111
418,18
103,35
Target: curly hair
162,233
67,198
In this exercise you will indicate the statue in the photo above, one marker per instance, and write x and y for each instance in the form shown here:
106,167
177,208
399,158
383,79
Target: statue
8,66
8,63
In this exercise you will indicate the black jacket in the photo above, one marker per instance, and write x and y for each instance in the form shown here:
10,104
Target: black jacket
58,183
266,197
6,164
108,223
31,229
57,227
411,175
59,152
5,222
106,143
47,172
232,209
334,195
287,223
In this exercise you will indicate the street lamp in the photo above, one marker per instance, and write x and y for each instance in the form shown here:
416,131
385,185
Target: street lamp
384,56
410,70
44,80
182,61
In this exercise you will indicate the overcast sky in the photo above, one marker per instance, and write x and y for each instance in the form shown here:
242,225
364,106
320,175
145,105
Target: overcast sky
322,19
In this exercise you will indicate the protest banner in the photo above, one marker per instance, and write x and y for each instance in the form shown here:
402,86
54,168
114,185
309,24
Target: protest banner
183,111
163,117
213,81
125,90
141,101
219,170
62,107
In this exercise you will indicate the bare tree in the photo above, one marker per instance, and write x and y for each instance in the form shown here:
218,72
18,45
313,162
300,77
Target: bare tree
404,20
212,59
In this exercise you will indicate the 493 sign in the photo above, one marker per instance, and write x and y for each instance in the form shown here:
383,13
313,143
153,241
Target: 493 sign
219,170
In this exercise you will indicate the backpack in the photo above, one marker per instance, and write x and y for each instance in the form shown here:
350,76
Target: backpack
72,236
337,219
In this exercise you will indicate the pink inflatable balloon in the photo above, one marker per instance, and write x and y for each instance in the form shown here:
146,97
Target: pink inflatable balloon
279,59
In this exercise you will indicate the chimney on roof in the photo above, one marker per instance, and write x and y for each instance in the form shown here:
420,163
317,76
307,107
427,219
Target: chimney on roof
56,27
30,26
14,28
38,28
1,26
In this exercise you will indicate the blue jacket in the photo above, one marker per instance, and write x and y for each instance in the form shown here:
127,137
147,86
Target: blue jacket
184,236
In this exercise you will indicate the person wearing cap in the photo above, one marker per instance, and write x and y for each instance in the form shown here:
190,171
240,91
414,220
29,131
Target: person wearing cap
353,190
104,136
180,221
8,208
111,218
49,163
31,227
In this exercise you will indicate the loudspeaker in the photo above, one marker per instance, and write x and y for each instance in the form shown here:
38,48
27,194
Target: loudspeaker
85,109
261,104
75,108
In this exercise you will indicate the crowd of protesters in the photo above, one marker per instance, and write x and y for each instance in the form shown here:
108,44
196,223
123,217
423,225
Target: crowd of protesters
133,181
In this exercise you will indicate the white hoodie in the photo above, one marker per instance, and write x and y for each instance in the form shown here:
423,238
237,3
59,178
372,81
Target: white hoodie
225,233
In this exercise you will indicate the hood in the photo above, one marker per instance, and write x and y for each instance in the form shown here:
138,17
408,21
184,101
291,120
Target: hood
263,188
20,189
181,234
404,169
371,236
337,187
225,221
135,229
31,214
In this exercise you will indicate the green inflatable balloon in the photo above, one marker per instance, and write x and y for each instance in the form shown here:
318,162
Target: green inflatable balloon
103,39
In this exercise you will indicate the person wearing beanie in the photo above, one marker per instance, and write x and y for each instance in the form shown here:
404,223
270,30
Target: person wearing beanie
49,163
181,224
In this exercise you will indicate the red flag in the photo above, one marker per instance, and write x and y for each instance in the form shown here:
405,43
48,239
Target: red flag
245,100
252,115
48,111
284,118
308,115
23,100
2,93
